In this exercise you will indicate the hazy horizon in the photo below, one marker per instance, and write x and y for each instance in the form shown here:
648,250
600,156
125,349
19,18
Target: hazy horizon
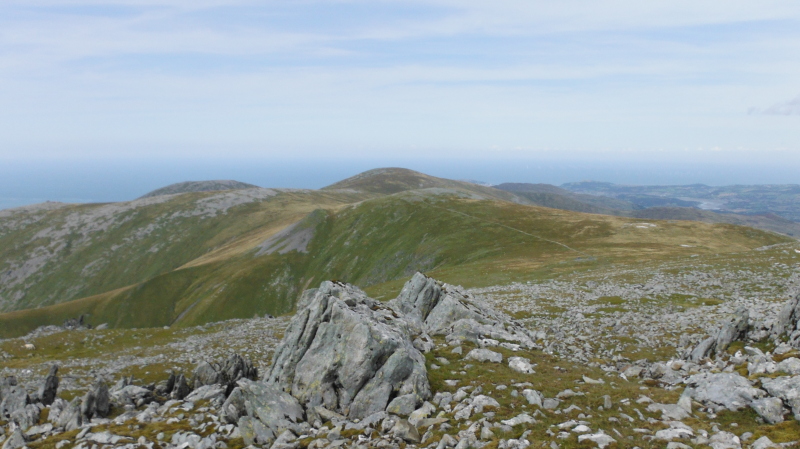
86,181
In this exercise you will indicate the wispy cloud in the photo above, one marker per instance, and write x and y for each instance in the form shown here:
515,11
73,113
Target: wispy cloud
791,107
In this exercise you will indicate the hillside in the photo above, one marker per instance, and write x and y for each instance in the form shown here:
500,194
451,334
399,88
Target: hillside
240,263
199,186
605,201
782,200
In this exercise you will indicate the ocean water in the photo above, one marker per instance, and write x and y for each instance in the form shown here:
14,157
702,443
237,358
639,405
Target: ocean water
106,180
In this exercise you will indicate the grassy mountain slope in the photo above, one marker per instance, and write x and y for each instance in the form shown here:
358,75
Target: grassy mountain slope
378,243
199,186
547,195
387,181
48,256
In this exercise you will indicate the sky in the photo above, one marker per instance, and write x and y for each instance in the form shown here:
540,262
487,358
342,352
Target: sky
144,83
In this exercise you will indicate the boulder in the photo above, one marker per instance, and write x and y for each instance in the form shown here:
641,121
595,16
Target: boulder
736,330
97,401
722,390
180,388
406,431
48,390
269,411
233,408
14,398
788,321
787,389
70,417
789,366
15,441
484,355
520,365
348,353
435,307
225,373
769,409
26,417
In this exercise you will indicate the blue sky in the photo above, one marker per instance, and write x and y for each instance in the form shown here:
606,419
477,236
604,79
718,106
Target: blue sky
678,80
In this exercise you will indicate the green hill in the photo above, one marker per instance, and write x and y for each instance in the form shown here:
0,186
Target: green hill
199,186
258,256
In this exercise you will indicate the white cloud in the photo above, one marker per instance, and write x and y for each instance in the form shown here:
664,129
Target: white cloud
791,107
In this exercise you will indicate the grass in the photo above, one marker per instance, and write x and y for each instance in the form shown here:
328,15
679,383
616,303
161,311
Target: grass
376,244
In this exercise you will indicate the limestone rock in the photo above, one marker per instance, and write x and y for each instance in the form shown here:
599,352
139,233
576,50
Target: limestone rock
485,355
274,408
226,373
406,431
14,398
770,409
349,354
787,389
48,390
520,365
722,390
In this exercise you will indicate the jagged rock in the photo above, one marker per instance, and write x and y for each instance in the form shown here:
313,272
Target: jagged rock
702,350
275,409
484,355
254,431
181,388
56,408
722,390
97,401
226,373
788,321
70,417
233,408
15,441
26,417
131,395
435,307
213,393
770,409
349,354
787,389
165,387
48,390
406,431
736,330
14,398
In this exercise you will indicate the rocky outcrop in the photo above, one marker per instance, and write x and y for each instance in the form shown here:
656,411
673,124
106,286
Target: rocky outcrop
47,392
437,308
788,322
349,354
722,391
735,330
226,373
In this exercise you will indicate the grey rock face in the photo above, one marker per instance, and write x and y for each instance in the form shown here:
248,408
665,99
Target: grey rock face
181,388
233,408
70,417
26,417
348,353
48,390
269,411
770,409
15,441
788,321
226,373
14,398
722,390
733,331
787,389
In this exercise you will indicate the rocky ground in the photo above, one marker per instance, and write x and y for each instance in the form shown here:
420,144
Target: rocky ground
599,359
